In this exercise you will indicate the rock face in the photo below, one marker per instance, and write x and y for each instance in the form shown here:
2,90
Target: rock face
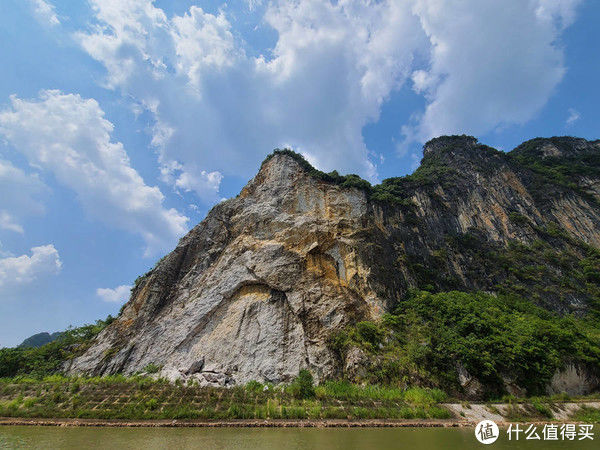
255,290
574,380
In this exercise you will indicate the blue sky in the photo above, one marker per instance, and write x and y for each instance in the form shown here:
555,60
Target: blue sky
123,121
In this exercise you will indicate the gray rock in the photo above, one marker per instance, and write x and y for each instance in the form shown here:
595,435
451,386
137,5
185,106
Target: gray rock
472,387
195,367
255,290
574,379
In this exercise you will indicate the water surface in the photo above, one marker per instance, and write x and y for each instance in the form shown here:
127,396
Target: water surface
38,437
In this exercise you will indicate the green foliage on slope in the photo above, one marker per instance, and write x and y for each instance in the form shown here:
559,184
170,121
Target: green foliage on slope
39,339
50,358
493,337
392,190
565,170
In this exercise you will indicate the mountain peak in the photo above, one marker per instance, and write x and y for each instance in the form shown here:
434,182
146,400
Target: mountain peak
444,144
555,147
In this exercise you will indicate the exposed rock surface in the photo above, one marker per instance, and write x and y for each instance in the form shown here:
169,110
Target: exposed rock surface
574,379
255,290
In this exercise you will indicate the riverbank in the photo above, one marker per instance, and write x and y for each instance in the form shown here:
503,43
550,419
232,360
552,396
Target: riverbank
463,415
143,398
240,423
142,401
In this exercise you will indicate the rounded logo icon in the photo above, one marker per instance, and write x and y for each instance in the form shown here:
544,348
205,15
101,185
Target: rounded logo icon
487,432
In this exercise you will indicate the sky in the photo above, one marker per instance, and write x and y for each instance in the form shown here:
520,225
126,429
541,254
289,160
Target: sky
122,122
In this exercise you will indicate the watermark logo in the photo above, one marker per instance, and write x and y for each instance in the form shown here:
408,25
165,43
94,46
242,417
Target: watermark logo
487,432
551,432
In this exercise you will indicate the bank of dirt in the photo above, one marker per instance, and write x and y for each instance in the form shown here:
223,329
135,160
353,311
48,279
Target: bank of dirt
464,415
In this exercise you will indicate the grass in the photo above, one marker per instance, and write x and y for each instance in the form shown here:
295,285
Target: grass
533,410
587,414
138,398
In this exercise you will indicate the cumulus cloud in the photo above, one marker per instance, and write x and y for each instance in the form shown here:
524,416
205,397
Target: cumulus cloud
190,179
44,12
24,270
22,195
218,108
491,63
573,117
120,294
69,137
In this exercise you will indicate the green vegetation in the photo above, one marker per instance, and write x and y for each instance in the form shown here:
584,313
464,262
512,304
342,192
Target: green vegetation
587,414
39,339
392,190
303,386
152,368
491,336
50,358
565,170
350,180
119,397
550,271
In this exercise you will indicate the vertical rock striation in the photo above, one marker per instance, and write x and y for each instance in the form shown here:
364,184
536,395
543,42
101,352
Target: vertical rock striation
255,290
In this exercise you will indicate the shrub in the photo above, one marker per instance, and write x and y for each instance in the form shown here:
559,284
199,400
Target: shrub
152,368
369,332
254,386
152,404
491,336
303,385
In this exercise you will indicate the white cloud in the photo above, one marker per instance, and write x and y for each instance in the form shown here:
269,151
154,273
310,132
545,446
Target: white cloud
120,294
573,117
44,12
69,137
21,197
219,109
491,63
24,270
188,179
8,222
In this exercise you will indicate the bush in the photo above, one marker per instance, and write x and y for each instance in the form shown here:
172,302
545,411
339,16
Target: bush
152,404
491,336
369,332
303,385
152,368
50,358
254,387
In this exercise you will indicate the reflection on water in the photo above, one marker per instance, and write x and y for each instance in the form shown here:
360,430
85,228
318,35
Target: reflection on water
263,438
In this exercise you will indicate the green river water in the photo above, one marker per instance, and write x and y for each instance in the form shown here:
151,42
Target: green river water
38,437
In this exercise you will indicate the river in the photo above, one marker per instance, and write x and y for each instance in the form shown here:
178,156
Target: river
38,437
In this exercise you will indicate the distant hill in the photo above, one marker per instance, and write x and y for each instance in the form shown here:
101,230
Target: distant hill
37,340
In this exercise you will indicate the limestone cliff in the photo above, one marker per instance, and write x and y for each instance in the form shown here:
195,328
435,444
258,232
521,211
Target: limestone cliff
255,290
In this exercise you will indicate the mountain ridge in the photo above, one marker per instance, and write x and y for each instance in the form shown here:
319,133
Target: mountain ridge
258,288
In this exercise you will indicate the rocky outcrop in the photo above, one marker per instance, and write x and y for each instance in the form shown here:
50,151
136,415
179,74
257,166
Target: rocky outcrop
253,291
574,379
256,289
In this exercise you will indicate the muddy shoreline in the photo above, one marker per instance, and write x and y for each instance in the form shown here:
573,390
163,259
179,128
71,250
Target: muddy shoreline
10,421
